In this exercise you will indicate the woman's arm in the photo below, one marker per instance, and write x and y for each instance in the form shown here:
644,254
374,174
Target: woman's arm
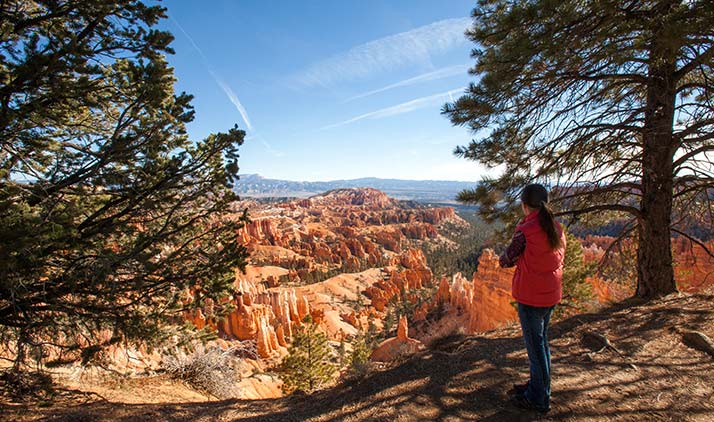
513,251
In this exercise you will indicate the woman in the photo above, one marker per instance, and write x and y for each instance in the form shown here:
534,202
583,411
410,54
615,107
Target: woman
537,250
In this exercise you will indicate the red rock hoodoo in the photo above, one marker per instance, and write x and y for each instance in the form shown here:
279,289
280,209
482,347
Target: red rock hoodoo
395,347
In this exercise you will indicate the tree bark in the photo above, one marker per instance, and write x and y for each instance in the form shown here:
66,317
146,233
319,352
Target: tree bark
654,256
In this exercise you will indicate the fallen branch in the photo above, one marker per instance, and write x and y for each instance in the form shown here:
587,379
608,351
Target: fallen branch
598,341
699,341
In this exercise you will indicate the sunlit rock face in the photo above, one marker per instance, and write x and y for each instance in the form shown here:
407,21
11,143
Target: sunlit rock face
414,276
346,232
481,304
486,298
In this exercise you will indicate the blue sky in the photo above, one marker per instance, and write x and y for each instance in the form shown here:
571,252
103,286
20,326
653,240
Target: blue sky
328,89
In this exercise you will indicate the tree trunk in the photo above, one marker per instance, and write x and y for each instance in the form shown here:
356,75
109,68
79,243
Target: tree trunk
21,352
654,255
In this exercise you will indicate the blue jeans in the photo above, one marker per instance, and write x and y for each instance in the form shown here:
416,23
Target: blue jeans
534,323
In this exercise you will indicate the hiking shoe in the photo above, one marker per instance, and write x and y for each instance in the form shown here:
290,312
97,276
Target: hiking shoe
521,402
519,388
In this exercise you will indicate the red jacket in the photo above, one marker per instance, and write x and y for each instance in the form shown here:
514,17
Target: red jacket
539,270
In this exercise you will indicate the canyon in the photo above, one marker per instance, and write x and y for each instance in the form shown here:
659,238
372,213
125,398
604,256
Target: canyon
347,258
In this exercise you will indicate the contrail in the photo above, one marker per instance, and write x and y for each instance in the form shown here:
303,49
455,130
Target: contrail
232,97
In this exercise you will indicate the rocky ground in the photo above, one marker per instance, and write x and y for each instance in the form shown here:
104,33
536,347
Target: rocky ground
649,375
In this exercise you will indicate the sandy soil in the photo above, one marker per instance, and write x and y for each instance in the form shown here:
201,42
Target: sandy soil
653,377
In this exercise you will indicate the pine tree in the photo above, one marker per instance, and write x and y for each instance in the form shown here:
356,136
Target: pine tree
109,213
307,365
359,358
342,351
577,292
389,322
372,336
609,102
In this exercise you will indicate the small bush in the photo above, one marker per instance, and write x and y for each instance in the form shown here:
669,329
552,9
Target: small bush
207,369
247,349
23,386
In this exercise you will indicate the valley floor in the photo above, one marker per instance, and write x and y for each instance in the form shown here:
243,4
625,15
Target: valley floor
654,377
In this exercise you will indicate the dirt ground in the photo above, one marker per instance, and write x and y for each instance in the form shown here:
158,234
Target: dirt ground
652,376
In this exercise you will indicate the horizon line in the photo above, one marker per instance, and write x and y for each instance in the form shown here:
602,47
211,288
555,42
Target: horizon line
354,179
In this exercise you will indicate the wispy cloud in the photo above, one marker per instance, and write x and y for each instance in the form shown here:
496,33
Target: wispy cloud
436,99
446,72
221,83
388,53
190,39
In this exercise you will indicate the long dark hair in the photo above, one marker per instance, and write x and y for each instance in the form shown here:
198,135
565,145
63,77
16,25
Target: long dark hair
535,196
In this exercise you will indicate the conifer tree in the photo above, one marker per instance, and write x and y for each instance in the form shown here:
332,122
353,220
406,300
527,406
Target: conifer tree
577,292
390,321
372,336
342,351
359,358
308,363
109,213
609,102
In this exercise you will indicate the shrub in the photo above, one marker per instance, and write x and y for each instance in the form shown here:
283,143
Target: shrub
206,369
25,385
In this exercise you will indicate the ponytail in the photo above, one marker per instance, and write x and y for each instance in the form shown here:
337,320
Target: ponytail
548,224
535,196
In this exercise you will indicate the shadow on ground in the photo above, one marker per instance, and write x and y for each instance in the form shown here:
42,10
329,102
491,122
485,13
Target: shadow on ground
464,378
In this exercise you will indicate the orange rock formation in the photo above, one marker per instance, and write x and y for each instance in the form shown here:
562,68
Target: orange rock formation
397,283
395,347
693,266
482,303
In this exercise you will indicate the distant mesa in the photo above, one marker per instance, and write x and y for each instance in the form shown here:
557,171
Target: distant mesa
369,197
